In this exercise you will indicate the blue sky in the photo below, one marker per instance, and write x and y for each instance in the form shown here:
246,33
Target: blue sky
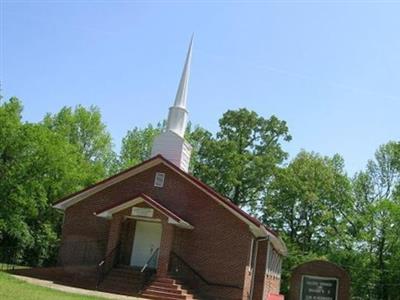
331,69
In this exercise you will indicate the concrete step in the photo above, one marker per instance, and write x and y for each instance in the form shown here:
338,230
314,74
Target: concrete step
165,284
160,295
171,288
167,288
168,280
155,297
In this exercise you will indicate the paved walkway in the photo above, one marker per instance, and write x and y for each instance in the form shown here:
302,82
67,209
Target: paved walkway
68,289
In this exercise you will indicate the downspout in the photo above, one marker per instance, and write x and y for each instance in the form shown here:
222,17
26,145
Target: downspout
257,240
269,245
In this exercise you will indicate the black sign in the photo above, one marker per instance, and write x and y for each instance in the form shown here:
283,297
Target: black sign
318,288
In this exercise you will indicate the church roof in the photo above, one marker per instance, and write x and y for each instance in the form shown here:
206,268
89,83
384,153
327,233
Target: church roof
257,228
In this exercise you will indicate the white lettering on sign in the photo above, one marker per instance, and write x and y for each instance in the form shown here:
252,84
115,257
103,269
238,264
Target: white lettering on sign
319,288
142,212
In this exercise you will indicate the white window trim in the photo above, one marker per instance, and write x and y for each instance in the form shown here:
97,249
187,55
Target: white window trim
159,179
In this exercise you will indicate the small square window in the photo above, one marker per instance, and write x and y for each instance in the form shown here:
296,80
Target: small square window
159,179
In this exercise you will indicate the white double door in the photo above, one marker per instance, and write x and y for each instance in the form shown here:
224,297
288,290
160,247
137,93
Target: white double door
147,239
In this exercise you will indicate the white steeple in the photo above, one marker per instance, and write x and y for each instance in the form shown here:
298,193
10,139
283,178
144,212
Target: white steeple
171,143
178,115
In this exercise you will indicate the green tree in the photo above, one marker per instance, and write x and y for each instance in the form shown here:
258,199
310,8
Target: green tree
309,203
376,213
36,168
308,200
136,145
241,159
84,128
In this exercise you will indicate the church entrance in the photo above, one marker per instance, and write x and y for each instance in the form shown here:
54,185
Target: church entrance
146,243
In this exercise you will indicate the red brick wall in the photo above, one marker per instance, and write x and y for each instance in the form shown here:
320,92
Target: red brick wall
114,232
218,247
259,279
127,236
272,284
166,243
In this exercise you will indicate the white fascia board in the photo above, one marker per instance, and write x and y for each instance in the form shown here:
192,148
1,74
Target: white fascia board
97,188
180,223
108,213
257,231
277,242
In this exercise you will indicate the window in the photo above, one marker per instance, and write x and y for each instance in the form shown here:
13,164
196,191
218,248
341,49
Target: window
159,179
274,262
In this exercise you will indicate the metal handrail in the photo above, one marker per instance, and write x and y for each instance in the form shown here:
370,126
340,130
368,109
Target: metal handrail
103,268
155,252
195,272
147,274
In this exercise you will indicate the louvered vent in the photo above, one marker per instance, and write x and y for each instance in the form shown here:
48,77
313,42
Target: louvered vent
159,179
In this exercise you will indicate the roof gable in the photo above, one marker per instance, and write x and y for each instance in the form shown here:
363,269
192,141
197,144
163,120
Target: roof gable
172,217
74,198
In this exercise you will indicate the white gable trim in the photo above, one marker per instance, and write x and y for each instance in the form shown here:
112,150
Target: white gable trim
99,187
107,214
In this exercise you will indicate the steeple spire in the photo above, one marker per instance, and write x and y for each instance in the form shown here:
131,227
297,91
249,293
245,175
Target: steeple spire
181,94
171,143
178,114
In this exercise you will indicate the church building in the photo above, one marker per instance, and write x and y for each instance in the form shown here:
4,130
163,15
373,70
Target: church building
157,232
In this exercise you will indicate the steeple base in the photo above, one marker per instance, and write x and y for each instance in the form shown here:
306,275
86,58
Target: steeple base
174,148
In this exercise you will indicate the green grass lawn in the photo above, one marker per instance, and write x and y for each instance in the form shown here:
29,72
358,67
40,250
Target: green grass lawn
14,289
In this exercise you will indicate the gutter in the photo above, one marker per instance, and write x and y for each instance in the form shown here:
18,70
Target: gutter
277,242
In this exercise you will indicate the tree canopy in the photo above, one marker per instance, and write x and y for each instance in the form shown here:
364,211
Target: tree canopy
84,129
318,209
39,164
136,145
241,159
376,217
